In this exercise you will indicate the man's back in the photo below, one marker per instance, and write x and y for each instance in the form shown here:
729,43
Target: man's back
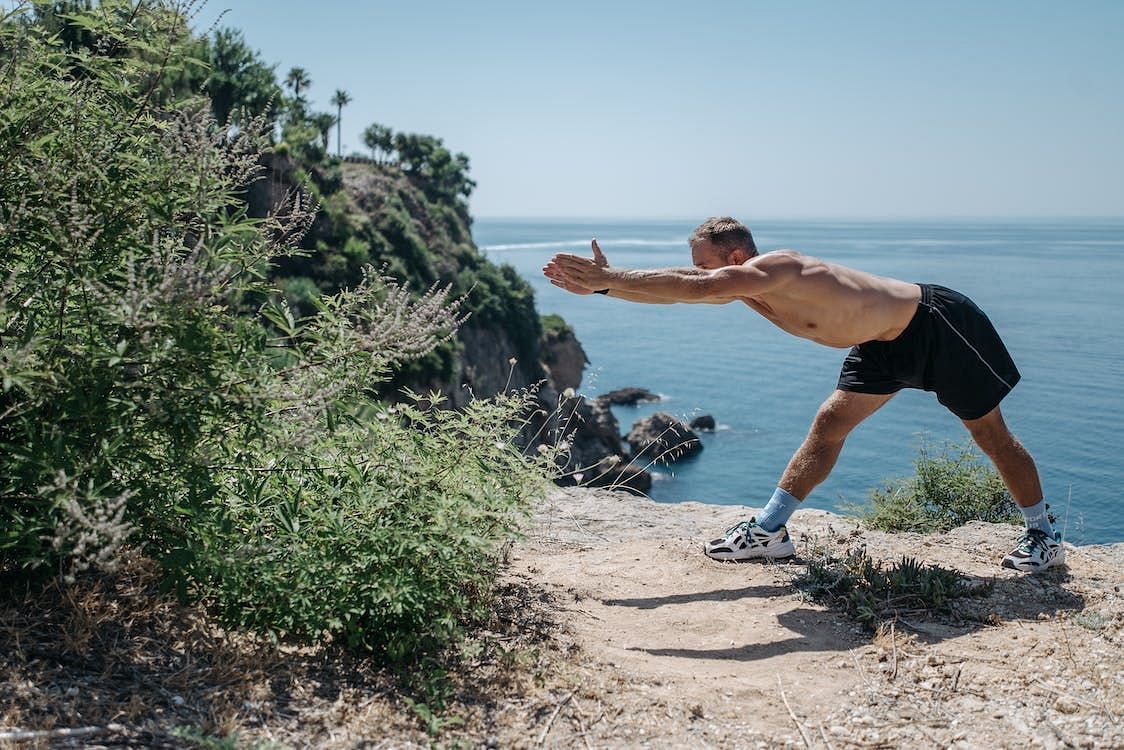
831,304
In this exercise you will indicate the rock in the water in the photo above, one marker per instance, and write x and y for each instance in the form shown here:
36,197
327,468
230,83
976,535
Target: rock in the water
596,454
703,423
629,396
611,472
663,438
592,430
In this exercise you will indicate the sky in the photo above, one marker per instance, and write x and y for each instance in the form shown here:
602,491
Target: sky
794,109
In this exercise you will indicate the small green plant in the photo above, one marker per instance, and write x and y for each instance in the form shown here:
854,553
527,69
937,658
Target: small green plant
1091,620
433,691
432,717
555,325
870,591
947,490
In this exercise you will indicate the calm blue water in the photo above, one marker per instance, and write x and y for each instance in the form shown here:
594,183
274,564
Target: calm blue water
1053,289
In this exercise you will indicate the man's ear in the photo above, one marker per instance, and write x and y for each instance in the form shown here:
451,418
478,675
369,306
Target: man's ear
738,256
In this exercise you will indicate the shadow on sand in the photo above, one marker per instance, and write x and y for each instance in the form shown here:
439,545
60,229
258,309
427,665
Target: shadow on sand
995,600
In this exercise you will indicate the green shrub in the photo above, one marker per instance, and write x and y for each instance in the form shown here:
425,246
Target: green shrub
384,532
142,407
947,490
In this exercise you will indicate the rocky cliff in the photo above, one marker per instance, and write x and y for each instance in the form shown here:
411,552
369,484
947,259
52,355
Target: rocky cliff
376,214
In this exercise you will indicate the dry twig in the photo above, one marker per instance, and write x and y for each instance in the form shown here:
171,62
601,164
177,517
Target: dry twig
799,726
553,716
894,646
51,734
826,741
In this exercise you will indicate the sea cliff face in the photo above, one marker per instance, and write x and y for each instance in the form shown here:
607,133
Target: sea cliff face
375,214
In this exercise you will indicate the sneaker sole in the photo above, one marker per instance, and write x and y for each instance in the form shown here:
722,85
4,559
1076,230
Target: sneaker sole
784,549
1058,559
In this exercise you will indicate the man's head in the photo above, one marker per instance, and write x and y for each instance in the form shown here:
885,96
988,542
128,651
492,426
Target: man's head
721,241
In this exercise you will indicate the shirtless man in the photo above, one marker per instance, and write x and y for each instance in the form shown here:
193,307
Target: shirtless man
900,335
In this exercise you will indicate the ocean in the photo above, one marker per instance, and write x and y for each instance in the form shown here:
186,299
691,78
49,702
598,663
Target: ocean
1052,289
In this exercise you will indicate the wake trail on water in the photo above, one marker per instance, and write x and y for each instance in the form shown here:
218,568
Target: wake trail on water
582,243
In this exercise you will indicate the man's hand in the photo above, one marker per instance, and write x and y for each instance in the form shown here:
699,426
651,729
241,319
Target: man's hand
577,274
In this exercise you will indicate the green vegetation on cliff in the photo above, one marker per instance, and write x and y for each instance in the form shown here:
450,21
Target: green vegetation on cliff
158,394
381,214
403,208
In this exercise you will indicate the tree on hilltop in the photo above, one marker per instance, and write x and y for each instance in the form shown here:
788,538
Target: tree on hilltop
380,139
239,80
439,171
298,80
323,122
340,99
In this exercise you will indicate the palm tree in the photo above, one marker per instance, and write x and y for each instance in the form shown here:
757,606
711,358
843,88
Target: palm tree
341,99
297,79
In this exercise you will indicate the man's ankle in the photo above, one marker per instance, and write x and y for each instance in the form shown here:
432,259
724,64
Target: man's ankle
778,510
1036,517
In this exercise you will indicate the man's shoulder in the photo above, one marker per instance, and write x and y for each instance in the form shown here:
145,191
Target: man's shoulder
780,259
780,253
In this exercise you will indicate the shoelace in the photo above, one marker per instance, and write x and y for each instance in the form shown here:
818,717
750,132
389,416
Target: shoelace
1031,540
742,526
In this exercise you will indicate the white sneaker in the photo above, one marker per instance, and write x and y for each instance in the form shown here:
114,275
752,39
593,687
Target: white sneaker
1035,552
748,540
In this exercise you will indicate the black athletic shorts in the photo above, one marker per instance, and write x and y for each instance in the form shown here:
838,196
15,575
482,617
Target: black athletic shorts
949,347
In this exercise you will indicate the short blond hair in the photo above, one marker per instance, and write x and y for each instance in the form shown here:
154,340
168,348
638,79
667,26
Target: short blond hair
726,233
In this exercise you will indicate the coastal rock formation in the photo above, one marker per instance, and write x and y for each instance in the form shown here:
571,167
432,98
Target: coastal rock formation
596,454
563,358
485,366
663,438
703,423
629,396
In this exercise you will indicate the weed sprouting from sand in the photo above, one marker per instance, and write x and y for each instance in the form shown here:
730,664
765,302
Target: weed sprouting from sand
871,591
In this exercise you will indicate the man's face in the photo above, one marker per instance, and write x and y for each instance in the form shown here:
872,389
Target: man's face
707,256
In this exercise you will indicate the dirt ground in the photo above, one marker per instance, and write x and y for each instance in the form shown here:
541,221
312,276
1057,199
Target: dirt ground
709,654
611,631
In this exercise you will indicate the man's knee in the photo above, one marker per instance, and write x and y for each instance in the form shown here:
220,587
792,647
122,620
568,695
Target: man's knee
993,439
831,425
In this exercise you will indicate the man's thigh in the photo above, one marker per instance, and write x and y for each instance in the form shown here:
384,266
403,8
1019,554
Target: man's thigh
842,411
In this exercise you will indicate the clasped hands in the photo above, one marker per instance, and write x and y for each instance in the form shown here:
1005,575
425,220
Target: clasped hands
577,274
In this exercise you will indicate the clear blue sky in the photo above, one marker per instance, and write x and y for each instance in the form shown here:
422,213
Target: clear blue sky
759,109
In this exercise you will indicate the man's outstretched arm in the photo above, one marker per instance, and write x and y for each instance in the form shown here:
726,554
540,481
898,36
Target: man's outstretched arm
670,284
616,294
559,279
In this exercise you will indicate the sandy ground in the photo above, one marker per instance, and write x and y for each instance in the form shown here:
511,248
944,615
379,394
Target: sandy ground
681,651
